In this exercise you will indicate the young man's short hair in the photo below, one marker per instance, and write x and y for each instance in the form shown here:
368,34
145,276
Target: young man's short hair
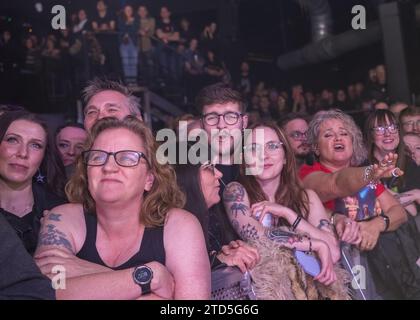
219,93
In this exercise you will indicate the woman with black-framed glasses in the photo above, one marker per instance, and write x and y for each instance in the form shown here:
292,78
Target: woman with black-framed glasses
123,231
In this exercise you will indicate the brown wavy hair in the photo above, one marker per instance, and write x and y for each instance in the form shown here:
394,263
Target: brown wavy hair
164,194
290,193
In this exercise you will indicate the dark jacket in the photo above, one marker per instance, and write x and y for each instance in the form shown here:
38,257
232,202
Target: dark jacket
20,278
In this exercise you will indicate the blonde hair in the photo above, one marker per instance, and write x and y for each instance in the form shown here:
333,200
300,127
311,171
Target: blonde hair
359,151
164,194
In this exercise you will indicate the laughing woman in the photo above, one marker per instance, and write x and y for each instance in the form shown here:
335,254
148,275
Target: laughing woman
383,136
354,193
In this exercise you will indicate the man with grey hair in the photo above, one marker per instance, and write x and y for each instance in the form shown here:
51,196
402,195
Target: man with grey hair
106,98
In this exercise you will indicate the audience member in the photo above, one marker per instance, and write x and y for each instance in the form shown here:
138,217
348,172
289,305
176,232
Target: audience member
24,149
123,231
105,98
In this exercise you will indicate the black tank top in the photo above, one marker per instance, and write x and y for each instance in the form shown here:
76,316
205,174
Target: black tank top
151,248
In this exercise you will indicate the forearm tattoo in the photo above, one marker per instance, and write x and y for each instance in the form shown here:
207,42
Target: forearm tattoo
52,236
248,232
54,217
282,236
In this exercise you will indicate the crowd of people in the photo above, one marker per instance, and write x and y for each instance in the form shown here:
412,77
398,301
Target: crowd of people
156,50
297,191
132,44
97,200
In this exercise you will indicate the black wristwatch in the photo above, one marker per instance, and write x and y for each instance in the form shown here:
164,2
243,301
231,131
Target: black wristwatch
143,276
386,220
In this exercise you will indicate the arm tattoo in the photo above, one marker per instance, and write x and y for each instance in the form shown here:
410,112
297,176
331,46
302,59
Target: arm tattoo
52,236
234,192
248,232
54,217
238,207
282,236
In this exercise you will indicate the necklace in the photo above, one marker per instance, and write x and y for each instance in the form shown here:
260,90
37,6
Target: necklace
18,210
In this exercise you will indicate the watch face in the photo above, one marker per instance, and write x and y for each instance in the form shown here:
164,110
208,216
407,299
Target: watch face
143,275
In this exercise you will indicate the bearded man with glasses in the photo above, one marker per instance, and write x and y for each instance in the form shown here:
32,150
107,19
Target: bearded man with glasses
295,126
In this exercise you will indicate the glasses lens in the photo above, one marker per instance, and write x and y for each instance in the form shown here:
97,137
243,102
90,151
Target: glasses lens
209,166
297,135
273,146
211,119
393,128
379,131
253,148
95,157
231,117
127,158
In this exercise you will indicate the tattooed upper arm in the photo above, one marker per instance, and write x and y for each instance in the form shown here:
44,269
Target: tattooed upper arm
237,207
235,200
53,233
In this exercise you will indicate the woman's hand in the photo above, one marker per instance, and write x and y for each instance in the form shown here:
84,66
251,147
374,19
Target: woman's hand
73,266
260,209
239,254
347,230
370,231
327,275
386,167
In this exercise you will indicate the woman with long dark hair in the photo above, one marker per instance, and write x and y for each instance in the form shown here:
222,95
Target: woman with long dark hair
25,151
201,185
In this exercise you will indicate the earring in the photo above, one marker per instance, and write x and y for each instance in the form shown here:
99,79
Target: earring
40,177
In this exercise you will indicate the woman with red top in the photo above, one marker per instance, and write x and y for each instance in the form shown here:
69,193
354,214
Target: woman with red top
353,191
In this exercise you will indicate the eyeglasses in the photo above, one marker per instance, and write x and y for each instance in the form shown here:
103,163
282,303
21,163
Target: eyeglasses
124,158
411,124
380,131
209,166
271,147
298,135
213,118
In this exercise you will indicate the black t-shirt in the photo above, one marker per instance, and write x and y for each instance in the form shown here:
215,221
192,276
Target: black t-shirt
167,27
106,20
28,226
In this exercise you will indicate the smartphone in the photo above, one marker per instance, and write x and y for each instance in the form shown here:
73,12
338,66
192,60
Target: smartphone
309,263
